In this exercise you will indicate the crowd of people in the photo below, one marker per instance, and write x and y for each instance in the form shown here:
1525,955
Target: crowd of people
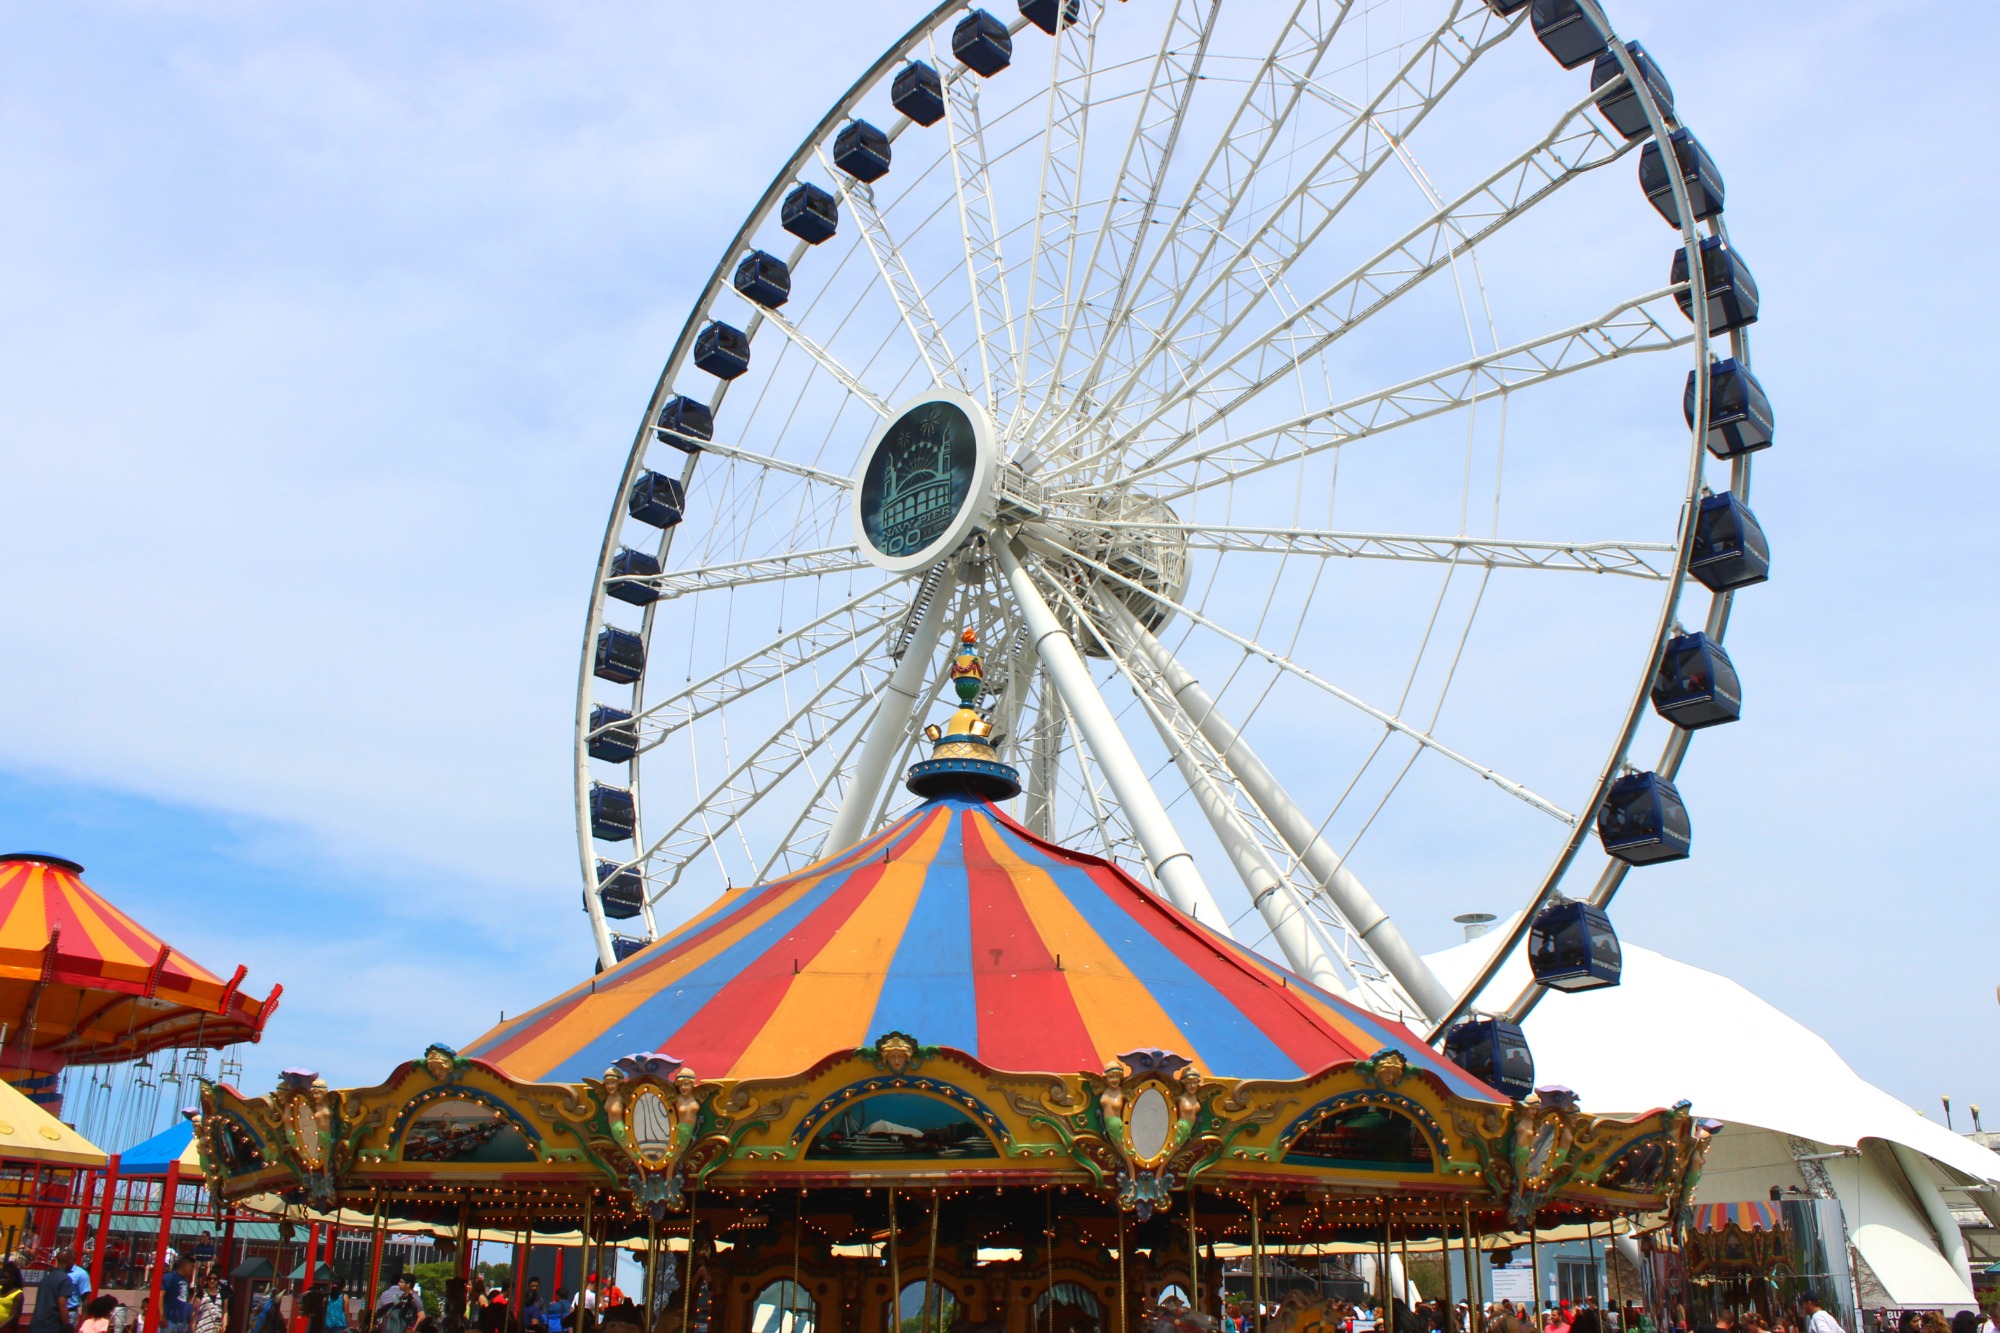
1298,1315
194,1298
399,1308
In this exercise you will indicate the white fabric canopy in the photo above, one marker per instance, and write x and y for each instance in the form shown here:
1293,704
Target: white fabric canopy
1670,1032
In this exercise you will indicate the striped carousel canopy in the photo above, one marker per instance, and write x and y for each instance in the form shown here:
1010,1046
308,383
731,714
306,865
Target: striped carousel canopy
959,927
1756,1215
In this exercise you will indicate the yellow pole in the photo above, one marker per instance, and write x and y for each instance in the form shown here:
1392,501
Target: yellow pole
1257,1262
1194,1256
895,1270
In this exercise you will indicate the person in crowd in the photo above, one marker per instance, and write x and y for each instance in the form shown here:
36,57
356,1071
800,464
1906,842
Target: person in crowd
556,1311
79,1282
533,1317
52,1298
211,1309
493,1312
1505,1320
1812,1317
335,1320
1934,1322
396,1309
12,1295
97,1315
1585,1318
1558,1319
177,1297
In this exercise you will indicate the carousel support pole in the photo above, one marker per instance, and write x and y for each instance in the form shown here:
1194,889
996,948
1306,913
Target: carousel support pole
1611,1281
520,1268
1124,1286
1535,1254
792,1297
687,1278
930,1268
167,1200
583,1258
104,1224
646,1287
374,1258
1465,1266
1049,1236
895,1270
1382,1272
1257,1260
1407,1283
298,1303
1194,1255
227,1250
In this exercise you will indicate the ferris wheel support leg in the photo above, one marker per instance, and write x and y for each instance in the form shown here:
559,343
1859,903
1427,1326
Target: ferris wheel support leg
1272,896
1371,925
902,700
1173,866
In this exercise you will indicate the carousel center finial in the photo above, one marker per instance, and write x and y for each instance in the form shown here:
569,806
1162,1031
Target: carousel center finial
962,753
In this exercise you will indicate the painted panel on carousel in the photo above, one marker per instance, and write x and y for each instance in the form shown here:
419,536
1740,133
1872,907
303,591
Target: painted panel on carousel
457,1130
1367,1138
900,1126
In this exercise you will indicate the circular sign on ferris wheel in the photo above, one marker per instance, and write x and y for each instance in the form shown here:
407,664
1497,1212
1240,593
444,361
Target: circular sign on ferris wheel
925,482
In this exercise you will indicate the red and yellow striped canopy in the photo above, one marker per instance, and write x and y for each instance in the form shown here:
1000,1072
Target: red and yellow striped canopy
83,983
959,927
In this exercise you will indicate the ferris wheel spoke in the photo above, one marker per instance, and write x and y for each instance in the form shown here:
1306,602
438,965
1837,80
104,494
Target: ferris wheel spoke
985,267
770,464
1132,200
1574,145
1642,560
901,284
826,360
1209,312
1052,245
842,627
837,702
743,573
1630,328
1279,660
1220,187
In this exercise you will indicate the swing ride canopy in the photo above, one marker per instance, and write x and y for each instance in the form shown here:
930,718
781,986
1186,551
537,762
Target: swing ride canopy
83,983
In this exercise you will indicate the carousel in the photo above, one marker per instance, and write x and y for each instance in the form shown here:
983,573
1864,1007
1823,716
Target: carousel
954,1072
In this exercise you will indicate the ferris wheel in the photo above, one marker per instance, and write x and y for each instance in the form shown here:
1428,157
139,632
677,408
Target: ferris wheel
1309,406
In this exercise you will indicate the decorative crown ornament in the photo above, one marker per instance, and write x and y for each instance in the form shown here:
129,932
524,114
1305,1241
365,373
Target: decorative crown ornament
963,757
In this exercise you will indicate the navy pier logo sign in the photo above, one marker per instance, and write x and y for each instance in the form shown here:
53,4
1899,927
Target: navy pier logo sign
919,478
925,481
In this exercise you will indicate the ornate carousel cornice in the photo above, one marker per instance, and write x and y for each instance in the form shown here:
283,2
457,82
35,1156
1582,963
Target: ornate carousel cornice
649,1132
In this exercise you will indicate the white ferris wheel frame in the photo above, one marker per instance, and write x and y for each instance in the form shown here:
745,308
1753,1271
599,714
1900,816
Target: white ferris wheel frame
1317,911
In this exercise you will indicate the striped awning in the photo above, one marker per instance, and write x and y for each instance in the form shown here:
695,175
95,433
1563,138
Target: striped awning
956,926
1753,1216
83,983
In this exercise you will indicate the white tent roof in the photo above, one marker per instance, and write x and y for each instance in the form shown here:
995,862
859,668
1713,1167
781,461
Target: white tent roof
1670,1032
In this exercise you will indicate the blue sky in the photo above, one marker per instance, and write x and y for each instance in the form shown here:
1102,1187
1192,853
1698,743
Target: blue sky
322,332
